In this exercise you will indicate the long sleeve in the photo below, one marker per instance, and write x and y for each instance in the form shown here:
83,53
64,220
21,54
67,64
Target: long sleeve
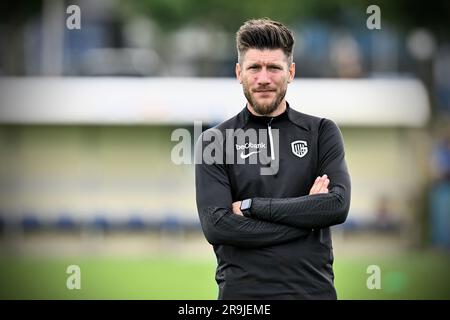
220,225
320,210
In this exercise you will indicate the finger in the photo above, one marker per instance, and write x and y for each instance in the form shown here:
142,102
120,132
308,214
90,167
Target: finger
314,188
324,187
236,207
320,183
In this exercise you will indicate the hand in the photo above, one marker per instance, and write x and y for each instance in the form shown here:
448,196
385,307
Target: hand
237,208
320,185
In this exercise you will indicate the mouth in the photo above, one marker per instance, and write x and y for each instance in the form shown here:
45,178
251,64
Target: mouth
264,93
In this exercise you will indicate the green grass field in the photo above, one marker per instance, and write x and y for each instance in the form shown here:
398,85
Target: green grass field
410,276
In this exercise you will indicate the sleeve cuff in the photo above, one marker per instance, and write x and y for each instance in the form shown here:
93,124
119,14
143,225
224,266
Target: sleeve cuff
260,209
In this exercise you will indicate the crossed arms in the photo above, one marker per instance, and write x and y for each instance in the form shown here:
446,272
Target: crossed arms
273,221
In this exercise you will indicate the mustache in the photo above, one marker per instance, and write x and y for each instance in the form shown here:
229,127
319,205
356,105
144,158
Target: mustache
264,89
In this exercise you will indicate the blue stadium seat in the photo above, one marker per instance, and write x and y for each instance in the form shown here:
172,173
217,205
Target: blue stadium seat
350,225
30,223
171,224
101,223
66,222
136,223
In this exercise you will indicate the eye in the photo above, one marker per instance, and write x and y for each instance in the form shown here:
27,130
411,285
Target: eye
275,68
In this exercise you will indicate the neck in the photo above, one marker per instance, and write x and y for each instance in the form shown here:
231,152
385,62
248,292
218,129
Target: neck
279,110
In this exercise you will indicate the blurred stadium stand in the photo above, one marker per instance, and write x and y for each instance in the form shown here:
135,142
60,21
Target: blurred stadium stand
79,152
96,152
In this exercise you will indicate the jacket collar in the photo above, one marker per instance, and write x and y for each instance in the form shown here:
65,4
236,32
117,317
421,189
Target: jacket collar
294,116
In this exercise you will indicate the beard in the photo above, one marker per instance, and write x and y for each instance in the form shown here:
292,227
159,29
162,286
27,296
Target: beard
268,107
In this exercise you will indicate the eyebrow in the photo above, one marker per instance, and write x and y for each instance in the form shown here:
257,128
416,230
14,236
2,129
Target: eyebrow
271,64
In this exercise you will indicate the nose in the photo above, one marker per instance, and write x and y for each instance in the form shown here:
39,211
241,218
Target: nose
263,77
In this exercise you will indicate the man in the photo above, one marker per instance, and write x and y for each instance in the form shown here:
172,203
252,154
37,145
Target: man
270,229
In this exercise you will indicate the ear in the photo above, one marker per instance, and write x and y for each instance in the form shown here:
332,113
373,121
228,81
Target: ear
291,72
238,72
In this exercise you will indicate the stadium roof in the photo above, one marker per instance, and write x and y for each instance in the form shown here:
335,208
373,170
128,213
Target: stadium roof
362,102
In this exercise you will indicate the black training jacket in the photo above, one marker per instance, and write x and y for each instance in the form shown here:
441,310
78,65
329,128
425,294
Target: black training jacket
281,248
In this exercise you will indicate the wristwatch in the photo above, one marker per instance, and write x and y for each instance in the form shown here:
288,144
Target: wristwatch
245,206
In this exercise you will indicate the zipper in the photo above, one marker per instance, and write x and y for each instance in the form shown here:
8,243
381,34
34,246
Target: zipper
269,129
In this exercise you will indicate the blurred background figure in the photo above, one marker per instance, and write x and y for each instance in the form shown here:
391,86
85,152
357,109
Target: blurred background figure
439,199
346,58
441,156
87,134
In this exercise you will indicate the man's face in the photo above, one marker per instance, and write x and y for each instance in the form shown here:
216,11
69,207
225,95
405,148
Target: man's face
264,75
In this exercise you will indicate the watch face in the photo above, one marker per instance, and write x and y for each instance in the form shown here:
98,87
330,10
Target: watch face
245,204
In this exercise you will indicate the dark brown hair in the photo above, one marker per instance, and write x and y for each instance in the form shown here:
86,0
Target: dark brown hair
264,34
